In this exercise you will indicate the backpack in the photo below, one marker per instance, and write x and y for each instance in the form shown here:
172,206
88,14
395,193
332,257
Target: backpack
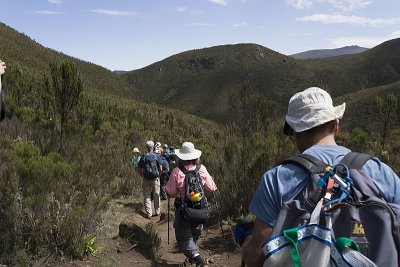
135,161
150,166
367,219
194,206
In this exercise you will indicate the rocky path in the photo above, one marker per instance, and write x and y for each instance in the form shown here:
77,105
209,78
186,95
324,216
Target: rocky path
117,251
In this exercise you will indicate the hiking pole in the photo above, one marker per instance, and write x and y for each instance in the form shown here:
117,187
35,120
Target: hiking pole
168,218
220,224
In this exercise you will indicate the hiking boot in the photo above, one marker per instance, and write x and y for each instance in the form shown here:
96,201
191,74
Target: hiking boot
200,262
144,214
187,263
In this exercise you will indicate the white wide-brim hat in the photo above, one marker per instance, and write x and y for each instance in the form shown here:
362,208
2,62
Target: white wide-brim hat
310,108
187,152
136,150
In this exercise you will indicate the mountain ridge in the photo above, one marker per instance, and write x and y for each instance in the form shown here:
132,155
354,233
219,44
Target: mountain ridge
330,53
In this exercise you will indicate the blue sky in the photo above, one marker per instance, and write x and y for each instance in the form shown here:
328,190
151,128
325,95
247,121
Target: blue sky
131,34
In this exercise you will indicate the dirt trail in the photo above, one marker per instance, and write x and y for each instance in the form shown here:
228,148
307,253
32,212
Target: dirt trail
117,251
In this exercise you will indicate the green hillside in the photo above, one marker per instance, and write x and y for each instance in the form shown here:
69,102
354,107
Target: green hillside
30,57
200,81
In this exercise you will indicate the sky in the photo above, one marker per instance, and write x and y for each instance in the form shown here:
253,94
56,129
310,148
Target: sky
131,34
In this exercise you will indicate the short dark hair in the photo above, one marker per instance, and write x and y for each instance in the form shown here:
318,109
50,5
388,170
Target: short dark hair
187,162
327,127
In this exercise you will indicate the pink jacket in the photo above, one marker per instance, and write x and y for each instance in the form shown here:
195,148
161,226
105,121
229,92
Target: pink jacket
176,183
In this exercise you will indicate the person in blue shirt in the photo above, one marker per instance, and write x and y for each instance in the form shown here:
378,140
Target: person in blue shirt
313,123
150,186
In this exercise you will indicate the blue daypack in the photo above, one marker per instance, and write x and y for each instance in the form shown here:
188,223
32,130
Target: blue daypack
150,168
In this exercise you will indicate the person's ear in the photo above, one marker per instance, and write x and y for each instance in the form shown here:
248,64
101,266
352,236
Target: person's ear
337,128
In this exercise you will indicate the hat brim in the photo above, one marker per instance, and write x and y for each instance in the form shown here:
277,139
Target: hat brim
188,156
339,111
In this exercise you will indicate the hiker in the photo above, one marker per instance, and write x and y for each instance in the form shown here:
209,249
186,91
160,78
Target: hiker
313,123
187,233
158,148
135,158
2,99
164,174
150,169
165,152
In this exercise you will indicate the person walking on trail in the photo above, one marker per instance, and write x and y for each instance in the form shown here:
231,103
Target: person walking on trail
313,123
150,169
2,98
165,173
187,233
135,158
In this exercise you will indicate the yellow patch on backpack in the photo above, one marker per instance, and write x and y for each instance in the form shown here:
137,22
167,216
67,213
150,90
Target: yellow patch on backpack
357,229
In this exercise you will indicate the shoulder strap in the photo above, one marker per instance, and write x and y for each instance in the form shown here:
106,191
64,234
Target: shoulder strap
198,166
311,163
355,160
183,169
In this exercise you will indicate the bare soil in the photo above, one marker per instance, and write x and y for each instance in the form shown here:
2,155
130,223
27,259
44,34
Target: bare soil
117,251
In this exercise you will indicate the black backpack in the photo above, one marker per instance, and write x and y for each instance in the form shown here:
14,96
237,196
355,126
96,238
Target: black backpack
369,220
150,166
194,206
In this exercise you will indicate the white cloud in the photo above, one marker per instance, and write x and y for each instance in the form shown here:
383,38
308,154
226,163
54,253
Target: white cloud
364,41
184,9
47,12
342,5
240,24
300,4
219,2
111,12
349,5
55,2
353,20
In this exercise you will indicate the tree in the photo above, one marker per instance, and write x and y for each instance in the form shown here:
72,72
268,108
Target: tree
252,114
386,111
67,87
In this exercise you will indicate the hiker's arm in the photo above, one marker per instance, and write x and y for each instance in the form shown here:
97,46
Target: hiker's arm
251,249
171,186
208,180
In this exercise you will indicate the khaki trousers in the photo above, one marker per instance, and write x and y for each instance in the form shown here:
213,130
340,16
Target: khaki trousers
149,186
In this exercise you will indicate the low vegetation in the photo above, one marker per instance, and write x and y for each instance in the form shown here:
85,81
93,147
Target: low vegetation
52,194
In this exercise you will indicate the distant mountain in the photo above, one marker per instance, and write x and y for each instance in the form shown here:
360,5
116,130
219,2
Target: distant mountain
119,71
330,53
